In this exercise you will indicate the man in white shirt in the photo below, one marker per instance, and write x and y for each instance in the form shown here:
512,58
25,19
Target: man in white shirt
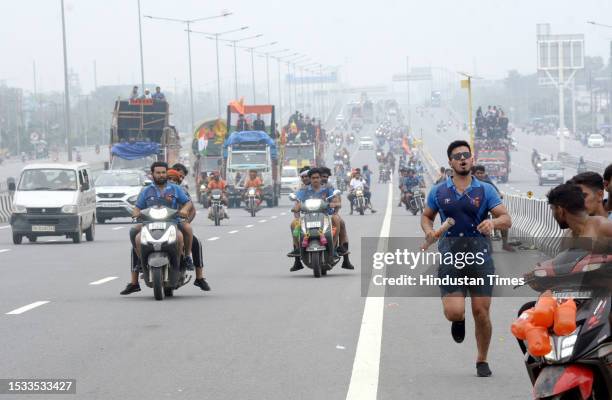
357,182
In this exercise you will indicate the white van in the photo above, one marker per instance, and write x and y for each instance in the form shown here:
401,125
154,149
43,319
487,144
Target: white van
54,199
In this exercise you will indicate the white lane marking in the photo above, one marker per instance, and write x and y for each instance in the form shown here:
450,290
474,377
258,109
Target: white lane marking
283,213
52,240
5,227
28,307
249,226
261,221
103,280
366,367
118,227
274,217
212,239
4,250
233,231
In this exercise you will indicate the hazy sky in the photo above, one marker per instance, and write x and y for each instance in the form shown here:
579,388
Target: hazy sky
369,39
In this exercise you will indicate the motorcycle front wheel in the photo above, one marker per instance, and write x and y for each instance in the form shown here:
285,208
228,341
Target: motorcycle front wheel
315,263
158,283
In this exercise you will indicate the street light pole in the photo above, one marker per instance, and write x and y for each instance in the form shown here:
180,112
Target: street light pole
142,79
66,87
188,23
253,76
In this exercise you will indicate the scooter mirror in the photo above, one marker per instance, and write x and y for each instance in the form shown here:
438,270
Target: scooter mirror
292,197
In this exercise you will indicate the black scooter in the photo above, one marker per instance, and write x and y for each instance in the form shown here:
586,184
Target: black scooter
580,364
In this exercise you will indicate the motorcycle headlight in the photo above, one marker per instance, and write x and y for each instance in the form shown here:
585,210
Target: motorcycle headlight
170,235
252,192
70,209
313,204
202,188
19,209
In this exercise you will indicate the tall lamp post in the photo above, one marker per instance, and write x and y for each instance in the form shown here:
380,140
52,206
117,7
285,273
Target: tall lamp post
251,49
267,55
609,66
467,84
66,87
233,44
188,23
216,37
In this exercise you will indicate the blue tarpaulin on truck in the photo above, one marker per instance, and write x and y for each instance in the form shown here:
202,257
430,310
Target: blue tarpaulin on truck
255,137
135,150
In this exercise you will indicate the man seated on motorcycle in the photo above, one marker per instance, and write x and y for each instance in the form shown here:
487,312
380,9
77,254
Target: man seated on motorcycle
409,183
390,158
160,192
581,166
366,174
304,177
178,178
343,248
253,181
357,182
314,191
217,183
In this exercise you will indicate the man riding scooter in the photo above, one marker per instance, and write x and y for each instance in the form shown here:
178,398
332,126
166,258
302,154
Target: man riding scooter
161,192
217,182
408,184
357,182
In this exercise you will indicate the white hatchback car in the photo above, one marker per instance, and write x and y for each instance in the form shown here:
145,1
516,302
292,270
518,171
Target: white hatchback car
290,180
595,140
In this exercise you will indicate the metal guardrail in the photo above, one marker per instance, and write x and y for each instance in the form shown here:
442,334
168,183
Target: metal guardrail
571,161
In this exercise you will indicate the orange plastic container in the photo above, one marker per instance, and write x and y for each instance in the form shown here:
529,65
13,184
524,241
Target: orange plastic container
565,318
519,325
538,340
544,310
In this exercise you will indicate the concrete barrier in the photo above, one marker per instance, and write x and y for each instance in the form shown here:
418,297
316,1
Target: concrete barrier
6,205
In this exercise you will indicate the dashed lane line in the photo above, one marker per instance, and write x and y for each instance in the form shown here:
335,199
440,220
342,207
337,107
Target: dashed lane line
26,308
4,250
249,226
232,232
118,227
212,239
103,280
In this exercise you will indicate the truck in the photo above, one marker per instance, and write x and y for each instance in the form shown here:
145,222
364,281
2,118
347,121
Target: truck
300,155
246,150
207,147
492,145
436,99
368,112
251,150
141,134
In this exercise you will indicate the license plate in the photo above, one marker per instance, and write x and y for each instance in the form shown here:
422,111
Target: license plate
43,228
313,224
578,294
109,205
157,225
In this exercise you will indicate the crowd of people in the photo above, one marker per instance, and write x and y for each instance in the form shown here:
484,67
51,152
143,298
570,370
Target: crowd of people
302,129
492,124
158,95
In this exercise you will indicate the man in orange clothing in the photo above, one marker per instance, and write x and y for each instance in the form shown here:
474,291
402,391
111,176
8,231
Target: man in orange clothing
217,183
253,181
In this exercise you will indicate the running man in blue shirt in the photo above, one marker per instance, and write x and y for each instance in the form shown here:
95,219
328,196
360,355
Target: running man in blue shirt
468,201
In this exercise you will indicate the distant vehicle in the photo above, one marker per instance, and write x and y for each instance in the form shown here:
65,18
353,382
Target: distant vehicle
366,143
340,118
595,140
551,172
117,192
54,199
290,180
436,98
566,133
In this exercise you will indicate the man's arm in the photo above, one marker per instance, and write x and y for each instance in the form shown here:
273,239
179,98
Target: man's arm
427,221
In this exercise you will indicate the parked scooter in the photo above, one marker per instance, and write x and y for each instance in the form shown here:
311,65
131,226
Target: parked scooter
575,364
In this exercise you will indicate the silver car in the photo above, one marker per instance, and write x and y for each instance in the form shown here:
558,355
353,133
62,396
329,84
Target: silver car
117,192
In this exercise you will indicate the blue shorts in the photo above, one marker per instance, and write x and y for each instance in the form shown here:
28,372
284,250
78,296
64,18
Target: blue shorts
471,271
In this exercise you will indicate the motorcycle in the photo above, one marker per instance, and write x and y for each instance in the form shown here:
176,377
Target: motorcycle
251,201
340,183
160,262
346,160
350,139
417,202
359,201
217,212
581,168
578,365
316,240
384,175
203,196
338,141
